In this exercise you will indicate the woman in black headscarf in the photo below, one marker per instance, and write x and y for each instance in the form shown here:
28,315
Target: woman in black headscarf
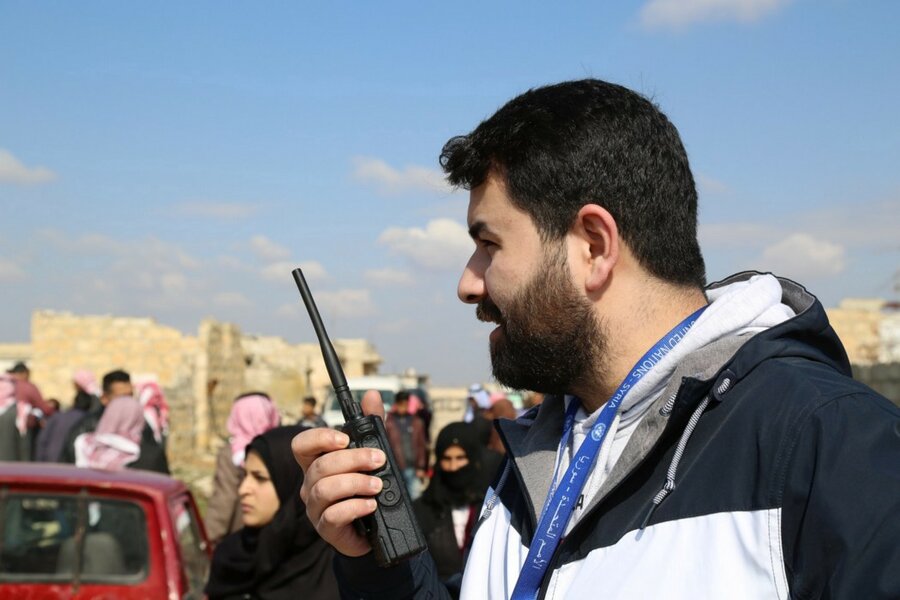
449,507
278,553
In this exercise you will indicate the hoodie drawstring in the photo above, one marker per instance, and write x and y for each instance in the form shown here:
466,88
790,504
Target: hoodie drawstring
495,495
673,466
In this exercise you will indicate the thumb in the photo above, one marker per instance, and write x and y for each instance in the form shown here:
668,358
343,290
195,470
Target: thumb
372,404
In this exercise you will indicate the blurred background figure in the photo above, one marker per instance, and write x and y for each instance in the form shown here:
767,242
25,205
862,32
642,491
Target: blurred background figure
477,402
309,416
119,441
156,409
277,554
251,414
501,408
50,440
22,412
406,434
13,422
531,400
86,388
420,406
116,383
449,507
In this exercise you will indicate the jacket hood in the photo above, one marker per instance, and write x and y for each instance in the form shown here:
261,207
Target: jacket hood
808,335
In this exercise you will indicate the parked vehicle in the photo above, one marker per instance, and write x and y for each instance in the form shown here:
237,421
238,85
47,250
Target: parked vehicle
387,385
75,533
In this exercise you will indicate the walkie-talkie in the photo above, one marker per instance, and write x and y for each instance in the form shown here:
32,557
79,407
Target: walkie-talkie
392,530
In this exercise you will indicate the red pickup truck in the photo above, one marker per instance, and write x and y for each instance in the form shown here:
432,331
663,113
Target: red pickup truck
73,533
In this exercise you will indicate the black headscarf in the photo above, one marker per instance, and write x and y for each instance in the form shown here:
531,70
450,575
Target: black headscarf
285,558
466,485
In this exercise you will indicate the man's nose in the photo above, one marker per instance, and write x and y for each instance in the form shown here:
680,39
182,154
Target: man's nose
471,283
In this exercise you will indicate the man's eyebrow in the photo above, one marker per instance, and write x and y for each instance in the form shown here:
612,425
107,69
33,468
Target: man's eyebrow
476,228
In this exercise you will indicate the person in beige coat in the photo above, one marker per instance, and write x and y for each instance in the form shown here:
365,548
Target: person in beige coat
251,415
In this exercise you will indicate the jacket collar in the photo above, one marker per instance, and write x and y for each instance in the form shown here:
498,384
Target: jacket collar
532,440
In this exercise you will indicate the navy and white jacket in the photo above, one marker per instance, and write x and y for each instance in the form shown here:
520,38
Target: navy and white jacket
763,471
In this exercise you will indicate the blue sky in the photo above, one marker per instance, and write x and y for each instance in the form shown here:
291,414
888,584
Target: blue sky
174,160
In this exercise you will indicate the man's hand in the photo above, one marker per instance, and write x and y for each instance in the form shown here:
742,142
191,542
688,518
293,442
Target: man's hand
336,488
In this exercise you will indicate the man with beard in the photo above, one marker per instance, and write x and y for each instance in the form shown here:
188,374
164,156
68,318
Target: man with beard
694,441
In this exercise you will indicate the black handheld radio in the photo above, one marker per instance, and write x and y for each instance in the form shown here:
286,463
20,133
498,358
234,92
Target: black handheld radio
392,530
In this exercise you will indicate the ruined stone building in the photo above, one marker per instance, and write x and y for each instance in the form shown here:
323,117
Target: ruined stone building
183,365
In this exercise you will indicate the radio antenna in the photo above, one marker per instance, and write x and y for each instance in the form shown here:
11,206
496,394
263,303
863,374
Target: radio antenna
349,406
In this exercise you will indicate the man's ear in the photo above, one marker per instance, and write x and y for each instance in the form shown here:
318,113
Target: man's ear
599,237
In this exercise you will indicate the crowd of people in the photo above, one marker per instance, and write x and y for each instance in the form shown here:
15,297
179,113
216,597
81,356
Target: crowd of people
264,543
116,424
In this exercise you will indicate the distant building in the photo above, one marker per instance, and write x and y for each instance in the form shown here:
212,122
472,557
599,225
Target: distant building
869,329
182,364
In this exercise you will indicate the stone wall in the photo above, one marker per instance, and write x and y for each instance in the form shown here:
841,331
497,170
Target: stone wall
218,378
856,322
883,378
62,343
200,375
285,371
10,354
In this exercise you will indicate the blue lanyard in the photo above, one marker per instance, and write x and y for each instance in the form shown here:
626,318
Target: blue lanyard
561,500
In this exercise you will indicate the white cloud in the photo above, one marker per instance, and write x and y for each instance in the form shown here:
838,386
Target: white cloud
288,311
233,263
709,186
391,181
231,300
443,244
346,303
215,210
388,277
280,272
10,271
680,14
134,274
803,256
173,282
866,225
266,249
399,326
737,235
13,171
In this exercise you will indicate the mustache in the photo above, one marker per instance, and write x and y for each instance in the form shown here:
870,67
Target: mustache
488,312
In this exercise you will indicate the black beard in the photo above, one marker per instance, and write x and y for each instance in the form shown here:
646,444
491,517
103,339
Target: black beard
549,340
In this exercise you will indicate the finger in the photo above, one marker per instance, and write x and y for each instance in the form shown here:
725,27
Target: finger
309,445
335,526
372,404
333,490
338,462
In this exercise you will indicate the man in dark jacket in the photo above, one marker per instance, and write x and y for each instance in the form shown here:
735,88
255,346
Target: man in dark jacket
406,434
52,436
695,442
115,383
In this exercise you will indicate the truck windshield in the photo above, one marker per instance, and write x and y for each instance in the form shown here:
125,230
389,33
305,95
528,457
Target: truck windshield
46,537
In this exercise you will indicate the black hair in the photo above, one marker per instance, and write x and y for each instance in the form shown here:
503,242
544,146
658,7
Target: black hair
562,146
83,400
309,400
117,376
401,396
